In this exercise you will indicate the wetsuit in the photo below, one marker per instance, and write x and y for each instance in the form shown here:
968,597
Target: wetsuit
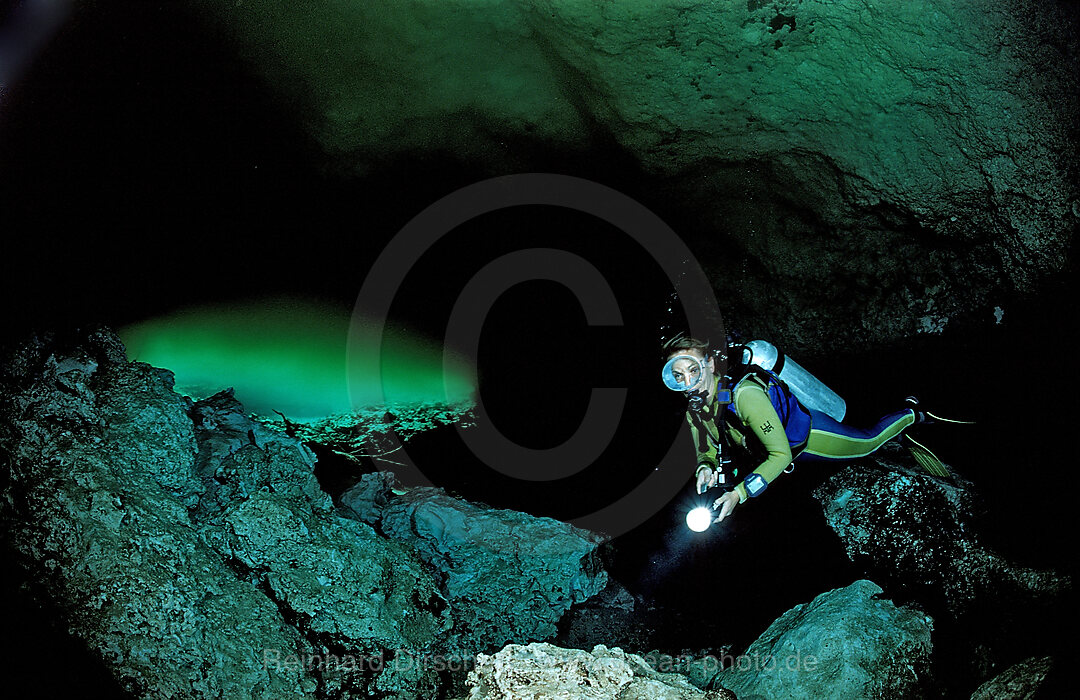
787,431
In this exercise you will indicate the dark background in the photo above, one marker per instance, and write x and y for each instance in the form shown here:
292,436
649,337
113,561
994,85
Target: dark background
143,167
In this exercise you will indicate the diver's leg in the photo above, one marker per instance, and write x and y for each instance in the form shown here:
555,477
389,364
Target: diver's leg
832,440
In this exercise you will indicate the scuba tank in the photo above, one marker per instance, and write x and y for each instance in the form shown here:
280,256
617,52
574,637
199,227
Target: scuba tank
806,387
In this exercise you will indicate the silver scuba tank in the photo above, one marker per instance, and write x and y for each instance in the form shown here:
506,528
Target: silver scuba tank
807,389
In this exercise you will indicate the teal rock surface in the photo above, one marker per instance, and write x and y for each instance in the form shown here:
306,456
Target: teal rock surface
847,643
240,457
507,576
191,549
108,539
351,592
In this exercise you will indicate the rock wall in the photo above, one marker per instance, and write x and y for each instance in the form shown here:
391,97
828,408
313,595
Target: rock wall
97,514
194,553
895,163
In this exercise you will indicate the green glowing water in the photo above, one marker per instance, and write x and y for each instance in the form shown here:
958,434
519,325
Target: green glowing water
287,355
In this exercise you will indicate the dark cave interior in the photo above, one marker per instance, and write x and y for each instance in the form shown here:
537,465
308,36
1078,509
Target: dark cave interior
130,187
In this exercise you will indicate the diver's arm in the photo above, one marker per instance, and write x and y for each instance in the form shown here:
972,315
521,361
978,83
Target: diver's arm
753,407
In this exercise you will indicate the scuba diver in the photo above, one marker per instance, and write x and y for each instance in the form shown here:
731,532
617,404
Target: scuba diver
753,412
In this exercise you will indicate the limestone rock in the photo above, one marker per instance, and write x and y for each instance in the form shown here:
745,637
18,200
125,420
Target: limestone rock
371,429
195,554
240,457
846,643
97,515
506,575
346,588
540,671
835,146
929,547
1019,682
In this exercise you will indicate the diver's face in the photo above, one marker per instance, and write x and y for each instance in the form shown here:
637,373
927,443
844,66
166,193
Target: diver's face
695,376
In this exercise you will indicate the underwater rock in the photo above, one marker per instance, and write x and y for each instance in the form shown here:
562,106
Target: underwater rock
348,590
240,457
611,617
506,575
846,643
194,554
94,508
929,549
1019,682
701,671
370,431
359,597
147,429
541,671
920,155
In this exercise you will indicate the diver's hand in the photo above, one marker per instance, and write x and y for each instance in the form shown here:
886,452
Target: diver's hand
706,479
725,504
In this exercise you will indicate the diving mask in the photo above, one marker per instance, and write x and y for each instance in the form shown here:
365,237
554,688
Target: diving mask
684,373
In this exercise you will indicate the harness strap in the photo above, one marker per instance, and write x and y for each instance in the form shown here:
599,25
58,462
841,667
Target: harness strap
702,431
715,414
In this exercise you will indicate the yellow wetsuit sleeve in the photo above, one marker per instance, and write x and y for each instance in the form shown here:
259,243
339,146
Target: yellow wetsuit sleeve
703,457
754,409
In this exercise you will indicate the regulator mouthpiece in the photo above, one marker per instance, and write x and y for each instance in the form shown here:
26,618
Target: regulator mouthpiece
683,373
699,519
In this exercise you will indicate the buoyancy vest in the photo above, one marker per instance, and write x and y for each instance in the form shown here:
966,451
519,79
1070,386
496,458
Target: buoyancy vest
795,417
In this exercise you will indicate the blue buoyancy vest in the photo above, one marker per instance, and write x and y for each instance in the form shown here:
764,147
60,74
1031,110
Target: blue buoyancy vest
794,416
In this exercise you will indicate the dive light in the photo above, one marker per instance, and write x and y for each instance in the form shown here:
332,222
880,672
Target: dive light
700,518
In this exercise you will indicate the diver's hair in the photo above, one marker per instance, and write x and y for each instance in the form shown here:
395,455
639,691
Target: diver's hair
684,342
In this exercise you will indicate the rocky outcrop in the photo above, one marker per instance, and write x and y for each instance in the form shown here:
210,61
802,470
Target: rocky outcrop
95,508
192,549
927,544
1019,682
846,643
919,536
508,576
928,547
543,671
358,597
852,156
239,457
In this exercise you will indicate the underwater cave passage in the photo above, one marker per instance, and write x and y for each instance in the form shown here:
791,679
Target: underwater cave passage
287,355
